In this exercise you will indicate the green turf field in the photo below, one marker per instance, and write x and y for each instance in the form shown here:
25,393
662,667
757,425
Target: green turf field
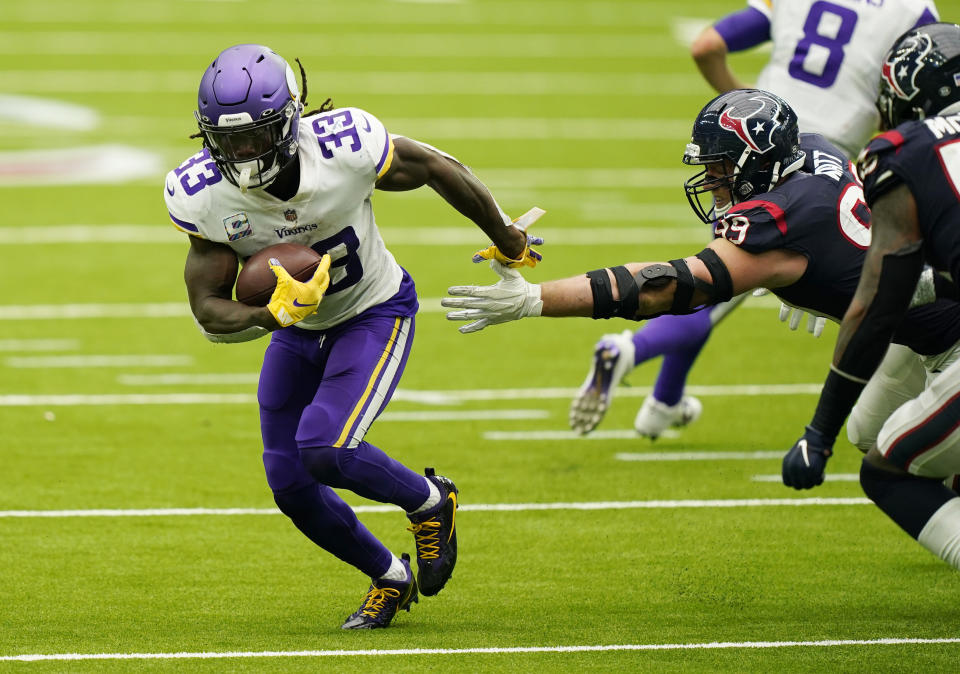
135,521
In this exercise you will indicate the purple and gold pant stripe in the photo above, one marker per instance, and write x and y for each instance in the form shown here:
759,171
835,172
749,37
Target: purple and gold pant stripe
379,386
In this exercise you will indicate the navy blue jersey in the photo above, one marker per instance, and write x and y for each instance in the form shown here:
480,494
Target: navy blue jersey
820,212
924,156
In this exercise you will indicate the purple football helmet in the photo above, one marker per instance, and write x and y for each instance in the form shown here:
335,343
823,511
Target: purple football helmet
248,110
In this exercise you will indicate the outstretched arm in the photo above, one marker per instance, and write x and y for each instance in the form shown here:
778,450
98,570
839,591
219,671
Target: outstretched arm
416,164
636,290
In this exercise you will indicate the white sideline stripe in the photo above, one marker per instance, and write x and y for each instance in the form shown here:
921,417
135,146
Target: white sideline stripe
712,645
39,344
34,312
437,237
91,361
367,43
426,397
619,434
419,236
698,456
478,507
455,397
405,83
74,400
830,477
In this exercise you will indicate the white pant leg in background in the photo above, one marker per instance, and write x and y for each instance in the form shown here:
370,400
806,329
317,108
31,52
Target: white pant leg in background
900,377
923,435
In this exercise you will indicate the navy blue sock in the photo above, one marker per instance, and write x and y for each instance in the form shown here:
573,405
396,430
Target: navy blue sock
908,500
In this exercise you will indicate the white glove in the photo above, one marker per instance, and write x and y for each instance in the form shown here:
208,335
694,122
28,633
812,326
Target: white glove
814,323
511,299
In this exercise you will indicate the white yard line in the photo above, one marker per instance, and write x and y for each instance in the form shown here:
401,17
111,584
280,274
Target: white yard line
137,399
394,236
613,434
697,456
39,344
39,312
426,397
486,45
468,507
98,361
712,645
405,83
830,477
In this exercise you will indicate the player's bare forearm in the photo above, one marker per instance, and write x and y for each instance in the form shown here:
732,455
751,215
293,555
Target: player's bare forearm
210,272
885,280
574,297
709,52
415,165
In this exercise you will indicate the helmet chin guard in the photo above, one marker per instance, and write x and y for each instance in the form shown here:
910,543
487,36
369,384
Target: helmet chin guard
753,135
248,111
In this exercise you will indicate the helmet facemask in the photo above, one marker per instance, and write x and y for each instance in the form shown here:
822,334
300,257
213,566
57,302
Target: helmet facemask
251,153
704,184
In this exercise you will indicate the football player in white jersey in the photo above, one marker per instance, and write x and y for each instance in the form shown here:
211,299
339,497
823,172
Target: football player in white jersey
824,62
270,173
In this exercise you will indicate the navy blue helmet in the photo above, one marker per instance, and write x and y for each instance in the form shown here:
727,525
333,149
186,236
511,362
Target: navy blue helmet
756,132
920,75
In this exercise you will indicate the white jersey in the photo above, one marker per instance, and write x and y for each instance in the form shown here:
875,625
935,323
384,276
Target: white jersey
342,153
826,60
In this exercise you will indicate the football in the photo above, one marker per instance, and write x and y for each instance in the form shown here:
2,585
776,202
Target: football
256,281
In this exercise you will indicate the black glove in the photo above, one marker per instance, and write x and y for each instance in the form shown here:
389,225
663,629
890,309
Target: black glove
805,463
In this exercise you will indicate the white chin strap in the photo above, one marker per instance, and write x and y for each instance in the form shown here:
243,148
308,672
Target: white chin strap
243,180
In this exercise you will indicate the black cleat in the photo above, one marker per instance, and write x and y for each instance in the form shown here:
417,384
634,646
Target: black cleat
435,534
383,600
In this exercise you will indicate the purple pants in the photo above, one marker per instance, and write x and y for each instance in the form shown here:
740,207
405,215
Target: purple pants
319,393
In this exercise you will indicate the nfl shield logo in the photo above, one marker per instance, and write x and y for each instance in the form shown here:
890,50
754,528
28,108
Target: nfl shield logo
237,226
290,215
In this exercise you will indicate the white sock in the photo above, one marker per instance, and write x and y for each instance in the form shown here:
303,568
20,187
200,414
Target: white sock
432,500
397,570
941,533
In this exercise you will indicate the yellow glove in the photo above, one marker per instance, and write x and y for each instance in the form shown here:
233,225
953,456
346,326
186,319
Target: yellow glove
292,301
529,257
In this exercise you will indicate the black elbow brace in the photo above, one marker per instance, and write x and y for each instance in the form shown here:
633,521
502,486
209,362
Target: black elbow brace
657,276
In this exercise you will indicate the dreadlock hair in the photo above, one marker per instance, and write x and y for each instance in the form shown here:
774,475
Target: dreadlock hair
326,106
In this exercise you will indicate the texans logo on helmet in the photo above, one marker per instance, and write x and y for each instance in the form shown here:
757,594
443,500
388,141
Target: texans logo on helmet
755,134
901,68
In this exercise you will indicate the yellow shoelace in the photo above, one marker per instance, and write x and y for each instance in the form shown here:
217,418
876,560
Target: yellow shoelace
376,598
426,534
